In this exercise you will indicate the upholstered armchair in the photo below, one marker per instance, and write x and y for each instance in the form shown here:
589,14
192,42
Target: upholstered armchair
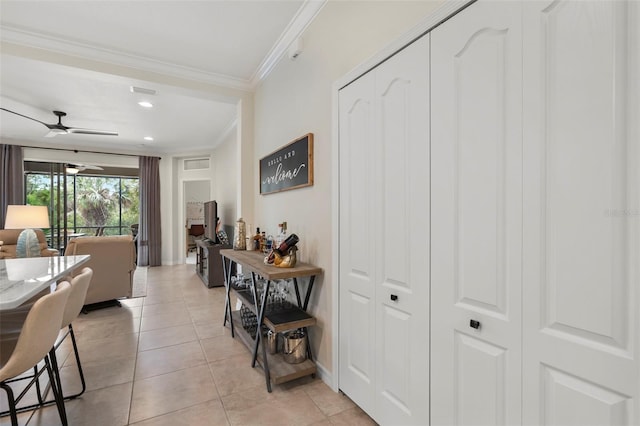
113,263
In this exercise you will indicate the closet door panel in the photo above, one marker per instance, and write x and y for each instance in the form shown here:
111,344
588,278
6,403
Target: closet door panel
581,247
479,171
402,96
569,400
476,216
359,236
478,364
585,174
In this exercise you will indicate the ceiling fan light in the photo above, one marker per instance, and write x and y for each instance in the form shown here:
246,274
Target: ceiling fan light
148,138
54,132
145,104
72,170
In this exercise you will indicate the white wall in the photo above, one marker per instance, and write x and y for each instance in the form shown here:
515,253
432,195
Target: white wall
225,192
295,99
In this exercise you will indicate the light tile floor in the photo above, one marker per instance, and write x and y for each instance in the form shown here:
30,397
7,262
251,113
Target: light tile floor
166,359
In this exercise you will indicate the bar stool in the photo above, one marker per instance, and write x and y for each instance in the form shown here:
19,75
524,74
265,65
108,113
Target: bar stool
21,351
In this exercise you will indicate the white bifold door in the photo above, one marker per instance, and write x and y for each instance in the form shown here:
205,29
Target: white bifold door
536,214
384,238
581,258
476,217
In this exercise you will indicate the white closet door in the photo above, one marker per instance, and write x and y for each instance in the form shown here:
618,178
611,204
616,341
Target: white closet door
582,213
402,294
359,238
384,238
476,216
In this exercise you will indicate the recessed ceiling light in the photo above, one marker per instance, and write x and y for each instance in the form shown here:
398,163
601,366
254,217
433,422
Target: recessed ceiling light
145,104
148,138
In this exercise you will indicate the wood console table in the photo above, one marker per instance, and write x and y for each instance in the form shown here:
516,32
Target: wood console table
275,369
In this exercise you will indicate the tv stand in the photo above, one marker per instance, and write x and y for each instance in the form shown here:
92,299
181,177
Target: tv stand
208,266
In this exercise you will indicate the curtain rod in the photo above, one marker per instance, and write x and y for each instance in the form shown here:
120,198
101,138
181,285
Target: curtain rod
90,152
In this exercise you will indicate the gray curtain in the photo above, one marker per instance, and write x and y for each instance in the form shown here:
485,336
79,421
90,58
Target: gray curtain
149,232
11,178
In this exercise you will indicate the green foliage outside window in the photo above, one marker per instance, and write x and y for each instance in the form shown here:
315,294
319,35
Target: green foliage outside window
92,201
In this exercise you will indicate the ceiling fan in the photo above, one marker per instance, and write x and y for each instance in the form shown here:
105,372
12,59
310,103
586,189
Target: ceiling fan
74,168
60,129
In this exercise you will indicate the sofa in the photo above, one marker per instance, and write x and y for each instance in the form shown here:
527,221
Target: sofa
9,238
113,263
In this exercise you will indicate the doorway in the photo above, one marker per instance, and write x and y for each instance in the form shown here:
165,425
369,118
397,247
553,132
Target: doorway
196,192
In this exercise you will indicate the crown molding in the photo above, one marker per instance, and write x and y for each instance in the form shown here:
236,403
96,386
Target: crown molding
305,15
25,38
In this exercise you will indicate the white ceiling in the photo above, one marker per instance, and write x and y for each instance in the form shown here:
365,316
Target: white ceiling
88,52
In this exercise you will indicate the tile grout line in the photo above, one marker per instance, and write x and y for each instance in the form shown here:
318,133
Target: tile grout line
206,362
213,379
135,362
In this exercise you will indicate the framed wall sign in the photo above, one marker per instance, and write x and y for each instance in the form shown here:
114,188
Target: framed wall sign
289,167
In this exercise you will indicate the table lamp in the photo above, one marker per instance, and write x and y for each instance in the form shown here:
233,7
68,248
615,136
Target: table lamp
27,218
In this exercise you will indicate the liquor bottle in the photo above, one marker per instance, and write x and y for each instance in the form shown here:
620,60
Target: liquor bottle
256,240
291,241
263,241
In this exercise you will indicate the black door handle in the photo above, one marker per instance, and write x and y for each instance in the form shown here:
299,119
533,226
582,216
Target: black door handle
474,324
394,297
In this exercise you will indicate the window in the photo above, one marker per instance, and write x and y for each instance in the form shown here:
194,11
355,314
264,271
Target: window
102,204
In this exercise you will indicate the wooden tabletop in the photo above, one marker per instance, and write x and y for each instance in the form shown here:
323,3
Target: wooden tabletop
254,262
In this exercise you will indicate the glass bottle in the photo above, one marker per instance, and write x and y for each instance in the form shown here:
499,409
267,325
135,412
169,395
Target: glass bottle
256,240
263,241
279,238
240,237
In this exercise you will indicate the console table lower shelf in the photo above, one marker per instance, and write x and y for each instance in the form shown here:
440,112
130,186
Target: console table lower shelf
280,371
275,317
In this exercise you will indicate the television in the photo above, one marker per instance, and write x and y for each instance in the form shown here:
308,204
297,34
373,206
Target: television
211,221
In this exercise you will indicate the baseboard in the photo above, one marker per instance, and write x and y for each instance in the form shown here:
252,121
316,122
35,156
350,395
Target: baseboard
325,375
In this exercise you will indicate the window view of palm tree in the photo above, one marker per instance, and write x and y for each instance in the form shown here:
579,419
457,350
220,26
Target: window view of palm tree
107,205
103,202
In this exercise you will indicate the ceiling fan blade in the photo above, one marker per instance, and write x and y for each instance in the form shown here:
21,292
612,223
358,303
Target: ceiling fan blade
60,129
91,131
89,167
25,116
78,167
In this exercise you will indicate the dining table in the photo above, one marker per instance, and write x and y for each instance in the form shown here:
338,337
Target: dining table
23,278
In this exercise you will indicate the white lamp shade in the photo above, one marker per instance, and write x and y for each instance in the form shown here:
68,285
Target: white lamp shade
24,217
